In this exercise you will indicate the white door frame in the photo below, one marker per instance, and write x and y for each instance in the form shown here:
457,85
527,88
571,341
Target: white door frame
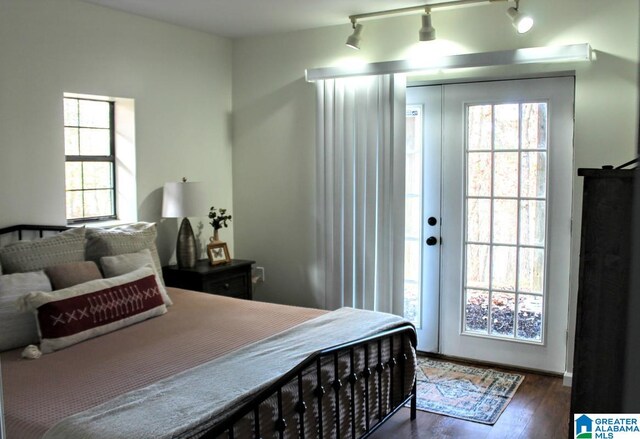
551,355
430,99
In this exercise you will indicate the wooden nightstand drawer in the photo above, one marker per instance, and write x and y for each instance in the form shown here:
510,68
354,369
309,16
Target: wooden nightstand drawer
232,279
234,286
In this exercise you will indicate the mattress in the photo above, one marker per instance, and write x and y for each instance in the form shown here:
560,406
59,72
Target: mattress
197,329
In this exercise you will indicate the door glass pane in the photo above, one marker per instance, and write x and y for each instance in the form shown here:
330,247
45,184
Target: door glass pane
479,127
505,174
534,125
533,174
505,221
479,174
503,310
505,228
531,270
530,317
506,126
413,215
532,218
479,220
477,311
478,266
503,266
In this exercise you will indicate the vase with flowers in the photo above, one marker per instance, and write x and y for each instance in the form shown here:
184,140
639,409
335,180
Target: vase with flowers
218,218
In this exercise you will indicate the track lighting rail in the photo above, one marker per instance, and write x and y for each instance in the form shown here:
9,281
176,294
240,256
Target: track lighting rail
521,22
410,9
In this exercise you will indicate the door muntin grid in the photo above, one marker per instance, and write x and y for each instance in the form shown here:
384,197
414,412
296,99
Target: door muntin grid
505,211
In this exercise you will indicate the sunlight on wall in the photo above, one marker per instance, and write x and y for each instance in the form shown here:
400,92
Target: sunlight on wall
422,52
350,62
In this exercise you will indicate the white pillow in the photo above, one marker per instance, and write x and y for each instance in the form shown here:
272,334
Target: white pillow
121,240
18,328
25,256
71,315
126,263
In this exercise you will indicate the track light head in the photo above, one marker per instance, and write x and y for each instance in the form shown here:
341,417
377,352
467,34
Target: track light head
354,39
522,23
427,31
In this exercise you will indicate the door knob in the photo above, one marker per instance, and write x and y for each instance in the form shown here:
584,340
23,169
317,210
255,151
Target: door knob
432,221
432,240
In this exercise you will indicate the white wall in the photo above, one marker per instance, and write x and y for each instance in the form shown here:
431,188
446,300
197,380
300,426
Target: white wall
180,81
274,114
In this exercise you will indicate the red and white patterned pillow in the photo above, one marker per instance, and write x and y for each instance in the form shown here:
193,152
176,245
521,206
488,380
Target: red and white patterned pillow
69,316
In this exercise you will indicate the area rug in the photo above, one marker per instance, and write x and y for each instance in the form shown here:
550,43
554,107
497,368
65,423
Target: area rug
465,392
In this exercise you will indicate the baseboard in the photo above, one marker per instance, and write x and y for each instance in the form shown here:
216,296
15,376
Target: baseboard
567,379
481,363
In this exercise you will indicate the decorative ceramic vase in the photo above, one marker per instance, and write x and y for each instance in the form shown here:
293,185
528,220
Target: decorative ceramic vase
215,237
186,245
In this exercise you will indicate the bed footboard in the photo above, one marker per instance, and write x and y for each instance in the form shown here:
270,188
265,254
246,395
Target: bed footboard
346,391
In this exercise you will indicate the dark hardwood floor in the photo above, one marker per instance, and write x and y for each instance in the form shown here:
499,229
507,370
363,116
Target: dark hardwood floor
538,410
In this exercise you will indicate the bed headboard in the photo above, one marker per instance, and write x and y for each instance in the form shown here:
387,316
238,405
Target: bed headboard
24,231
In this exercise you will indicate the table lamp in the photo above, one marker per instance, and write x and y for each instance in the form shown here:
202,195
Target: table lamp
182,199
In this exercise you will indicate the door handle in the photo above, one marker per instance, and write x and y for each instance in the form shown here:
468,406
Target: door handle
432,240
432,221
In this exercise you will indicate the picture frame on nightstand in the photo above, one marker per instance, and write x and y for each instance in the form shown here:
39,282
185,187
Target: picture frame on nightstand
218,253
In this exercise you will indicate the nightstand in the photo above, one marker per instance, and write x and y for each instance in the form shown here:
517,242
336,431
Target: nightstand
232,279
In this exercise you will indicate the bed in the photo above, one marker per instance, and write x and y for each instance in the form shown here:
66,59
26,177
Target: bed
206,366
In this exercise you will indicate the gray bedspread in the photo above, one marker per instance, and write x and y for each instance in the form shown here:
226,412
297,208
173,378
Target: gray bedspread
185,404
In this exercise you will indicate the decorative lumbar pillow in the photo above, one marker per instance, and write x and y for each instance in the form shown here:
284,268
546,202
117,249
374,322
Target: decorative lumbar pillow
17,327
71,315
74,273
24,256
125,239
121,264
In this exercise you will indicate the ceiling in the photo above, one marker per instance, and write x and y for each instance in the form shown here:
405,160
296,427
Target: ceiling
243,18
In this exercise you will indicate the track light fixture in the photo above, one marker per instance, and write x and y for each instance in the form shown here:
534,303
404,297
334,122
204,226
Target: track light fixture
427,31
521,22
354,39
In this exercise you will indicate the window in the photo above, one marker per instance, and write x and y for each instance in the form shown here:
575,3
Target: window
506,210
413,216
90,159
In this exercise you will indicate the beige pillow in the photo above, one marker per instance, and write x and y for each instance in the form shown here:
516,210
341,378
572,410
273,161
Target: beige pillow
18,328
71,315
24,256
121,264
125,239
74,273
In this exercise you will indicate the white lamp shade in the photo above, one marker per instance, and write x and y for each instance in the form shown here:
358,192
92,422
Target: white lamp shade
183,199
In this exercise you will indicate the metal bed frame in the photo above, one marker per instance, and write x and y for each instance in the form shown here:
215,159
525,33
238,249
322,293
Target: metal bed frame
376,365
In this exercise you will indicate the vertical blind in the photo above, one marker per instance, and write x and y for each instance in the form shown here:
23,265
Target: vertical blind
360,191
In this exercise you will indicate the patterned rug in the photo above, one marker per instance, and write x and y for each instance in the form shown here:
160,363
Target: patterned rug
465,392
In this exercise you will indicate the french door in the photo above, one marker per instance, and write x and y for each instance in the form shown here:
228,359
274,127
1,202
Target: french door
492,236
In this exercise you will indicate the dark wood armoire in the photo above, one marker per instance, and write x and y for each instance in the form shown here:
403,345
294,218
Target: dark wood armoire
603,291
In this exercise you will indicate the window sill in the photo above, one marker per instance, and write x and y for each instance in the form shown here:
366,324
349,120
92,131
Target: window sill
101,224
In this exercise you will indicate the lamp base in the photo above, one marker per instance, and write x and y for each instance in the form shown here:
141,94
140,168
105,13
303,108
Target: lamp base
186,245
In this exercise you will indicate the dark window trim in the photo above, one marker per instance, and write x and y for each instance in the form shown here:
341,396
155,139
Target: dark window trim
111,158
